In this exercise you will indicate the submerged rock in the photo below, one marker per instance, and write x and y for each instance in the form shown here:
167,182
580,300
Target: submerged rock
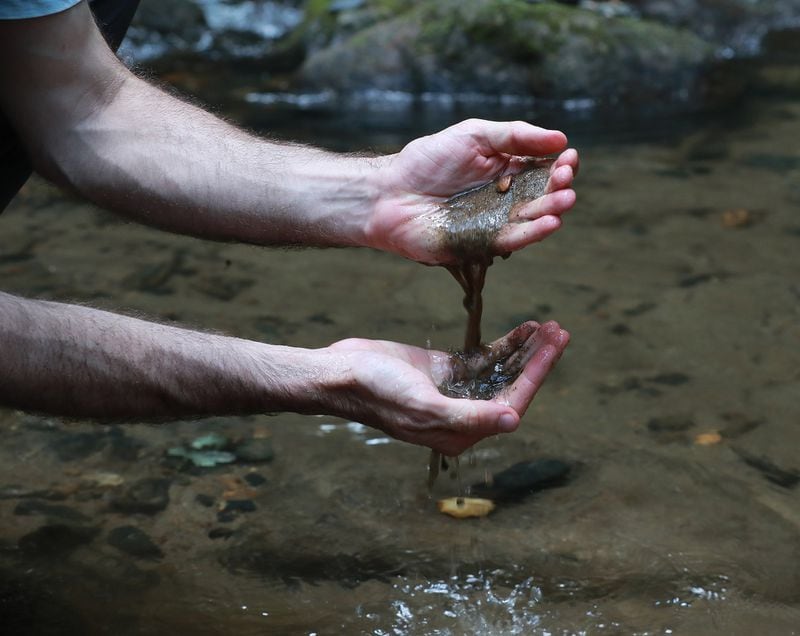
522,479
544,50
147,496
56,539
55,512
255,450
133,541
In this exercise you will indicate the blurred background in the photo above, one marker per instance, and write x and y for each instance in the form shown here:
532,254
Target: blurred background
674,411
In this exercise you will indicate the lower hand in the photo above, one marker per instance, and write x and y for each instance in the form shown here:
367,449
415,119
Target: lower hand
394,387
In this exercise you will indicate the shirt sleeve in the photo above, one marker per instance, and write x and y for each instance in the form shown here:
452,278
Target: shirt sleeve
19,9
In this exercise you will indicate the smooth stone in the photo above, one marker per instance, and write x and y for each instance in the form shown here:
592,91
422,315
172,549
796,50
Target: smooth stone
240,505
670,424
15,491
255,479
255,449
134,541
779,476
220,533
202,458
148,496
204,500
210,441
74,446
56,539
226,517
52,511
522,479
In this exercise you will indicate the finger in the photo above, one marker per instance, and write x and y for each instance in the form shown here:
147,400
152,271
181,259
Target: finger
520,357
514,138
567,158
497,350
560,179
516,236
554,203
552,344
475,420
506,345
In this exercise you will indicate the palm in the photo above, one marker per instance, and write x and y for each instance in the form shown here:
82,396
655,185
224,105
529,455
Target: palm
396,386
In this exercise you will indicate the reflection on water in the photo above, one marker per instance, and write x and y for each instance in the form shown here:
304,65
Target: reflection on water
676,404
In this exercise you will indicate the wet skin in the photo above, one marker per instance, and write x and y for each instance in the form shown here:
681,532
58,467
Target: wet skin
474,219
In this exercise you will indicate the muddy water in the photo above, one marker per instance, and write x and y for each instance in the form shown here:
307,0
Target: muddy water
676,406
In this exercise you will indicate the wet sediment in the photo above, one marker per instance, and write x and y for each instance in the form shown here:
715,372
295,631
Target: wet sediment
473,220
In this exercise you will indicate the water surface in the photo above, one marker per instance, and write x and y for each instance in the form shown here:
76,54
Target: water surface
677,275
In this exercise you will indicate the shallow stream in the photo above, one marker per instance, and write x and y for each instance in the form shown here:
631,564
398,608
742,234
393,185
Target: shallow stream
676,406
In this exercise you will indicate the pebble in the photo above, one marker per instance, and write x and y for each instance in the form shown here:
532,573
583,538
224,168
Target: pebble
239,505
148,496
255,480
204,500
233,508
255,450
202,458
134,541
220,533
15,491
104,480
74,446
211,441
55,539
52,511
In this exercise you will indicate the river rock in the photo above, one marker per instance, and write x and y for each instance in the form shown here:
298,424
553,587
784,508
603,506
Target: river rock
53,539
55,512
739,25
545,50
134,541
255,450
522,479
148,496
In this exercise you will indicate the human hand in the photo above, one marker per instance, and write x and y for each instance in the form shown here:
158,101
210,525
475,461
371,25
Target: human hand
430,170
394,387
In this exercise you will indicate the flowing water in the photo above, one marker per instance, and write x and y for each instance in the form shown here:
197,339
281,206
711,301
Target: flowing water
676,405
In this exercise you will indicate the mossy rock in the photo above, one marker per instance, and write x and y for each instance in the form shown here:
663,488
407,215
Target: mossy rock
543,50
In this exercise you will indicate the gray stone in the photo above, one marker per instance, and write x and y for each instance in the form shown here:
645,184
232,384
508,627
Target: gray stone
134,541
147,496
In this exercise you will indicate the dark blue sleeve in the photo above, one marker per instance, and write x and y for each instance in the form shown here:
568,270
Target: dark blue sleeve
19,9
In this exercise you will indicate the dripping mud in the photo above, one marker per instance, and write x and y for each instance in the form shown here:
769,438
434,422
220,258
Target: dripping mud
473,221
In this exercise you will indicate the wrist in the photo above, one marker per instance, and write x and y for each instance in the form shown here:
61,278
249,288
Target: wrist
310,381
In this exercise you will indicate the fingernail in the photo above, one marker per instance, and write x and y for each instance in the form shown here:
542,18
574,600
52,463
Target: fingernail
507,423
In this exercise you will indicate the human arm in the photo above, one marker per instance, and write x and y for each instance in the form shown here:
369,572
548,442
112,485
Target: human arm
88,123
81,362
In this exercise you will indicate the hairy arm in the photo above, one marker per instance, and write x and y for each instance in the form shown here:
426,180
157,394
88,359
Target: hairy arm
83,362
90,124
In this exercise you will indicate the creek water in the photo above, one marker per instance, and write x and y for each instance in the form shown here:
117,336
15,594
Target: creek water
676,404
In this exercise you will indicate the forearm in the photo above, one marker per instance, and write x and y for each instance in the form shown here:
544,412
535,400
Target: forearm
167,163
77,361
90,124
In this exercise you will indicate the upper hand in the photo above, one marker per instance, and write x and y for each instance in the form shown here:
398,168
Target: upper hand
430,170
394,387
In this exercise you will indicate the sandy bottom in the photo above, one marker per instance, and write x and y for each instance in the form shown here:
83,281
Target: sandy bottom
676,404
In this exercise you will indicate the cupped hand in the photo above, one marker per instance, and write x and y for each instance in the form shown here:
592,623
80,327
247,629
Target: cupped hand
431,169
394,387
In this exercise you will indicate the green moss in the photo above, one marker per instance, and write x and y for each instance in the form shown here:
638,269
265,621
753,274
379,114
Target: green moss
526,32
